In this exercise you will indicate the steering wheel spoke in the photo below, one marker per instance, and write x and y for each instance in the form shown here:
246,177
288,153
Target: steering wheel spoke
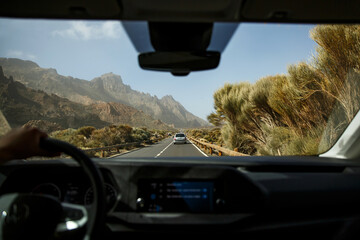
73,221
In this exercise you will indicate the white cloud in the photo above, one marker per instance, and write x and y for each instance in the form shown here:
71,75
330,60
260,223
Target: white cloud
88,31
20,54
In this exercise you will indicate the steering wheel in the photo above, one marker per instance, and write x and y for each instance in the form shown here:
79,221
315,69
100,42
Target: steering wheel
34,216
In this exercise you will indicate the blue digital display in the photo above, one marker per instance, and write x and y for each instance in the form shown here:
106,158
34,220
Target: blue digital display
176,196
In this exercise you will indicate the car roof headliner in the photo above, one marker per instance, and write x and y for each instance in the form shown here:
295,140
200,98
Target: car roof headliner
302,11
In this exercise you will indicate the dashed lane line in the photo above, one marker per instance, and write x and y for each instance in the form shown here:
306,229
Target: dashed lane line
189,141
163,150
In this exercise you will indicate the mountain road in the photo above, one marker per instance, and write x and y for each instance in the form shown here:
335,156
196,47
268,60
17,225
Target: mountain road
165,148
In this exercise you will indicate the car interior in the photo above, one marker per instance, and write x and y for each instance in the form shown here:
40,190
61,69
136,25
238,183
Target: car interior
277,196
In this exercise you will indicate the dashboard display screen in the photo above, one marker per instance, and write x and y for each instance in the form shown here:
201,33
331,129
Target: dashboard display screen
175,196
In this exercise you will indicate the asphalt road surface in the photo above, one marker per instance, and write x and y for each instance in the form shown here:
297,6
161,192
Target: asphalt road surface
165,148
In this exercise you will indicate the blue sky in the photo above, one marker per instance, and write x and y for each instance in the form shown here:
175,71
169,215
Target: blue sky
87,50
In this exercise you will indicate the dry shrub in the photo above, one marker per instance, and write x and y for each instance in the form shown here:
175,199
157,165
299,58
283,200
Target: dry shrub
301,112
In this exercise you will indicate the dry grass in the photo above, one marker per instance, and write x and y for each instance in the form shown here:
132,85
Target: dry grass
301,112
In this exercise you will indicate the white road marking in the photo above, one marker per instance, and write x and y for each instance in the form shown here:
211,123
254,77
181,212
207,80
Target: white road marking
198,148
172,143
164,149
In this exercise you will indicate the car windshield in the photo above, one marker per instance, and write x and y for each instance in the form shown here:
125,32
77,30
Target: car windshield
289,89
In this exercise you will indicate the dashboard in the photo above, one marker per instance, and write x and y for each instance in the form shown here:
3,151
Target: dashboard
69,185
137,190
146,195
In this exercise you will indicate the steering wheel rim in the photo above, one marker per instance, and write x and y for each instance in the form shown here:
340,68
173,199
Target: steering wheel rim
96,221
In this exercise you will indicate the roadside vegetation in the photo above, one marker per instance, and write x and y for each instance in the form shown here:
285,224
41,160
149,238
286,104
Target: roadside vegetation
302,112
89,137
210,135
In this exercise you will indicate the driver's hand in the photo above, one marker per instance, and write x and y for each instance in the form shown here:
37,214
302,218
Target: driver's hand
21,143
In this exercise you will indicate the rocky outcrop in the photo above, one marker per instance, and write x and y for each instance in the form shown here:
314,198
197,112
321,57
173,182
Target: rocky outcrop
21,104
118,113
106,88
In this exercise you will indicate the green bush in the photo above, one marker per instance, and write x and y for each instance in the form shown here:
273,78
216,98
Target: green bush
90,137
86,131
140,134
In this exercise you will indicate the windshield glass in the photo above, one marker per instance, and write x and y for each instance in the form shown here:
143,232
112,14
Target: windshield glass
286,89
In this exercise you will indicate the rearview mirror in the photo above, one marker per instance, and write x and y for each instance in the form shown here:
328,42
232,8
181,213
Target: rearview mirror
179,63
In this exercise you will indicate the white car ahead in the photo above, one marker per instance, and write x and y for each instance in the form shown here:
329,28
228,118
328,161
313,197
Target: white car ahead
180,138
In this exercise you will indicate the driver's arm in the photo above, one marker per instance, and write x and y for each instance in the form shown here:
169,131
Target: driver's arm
21,143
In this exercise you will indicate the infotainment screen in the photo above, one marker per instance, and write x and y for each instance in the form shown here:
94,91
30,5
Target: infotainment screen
175,196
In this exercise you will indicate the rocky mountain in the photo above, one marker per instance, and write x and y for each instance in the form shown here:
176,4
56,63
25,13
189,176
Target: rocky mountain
119,113
19,104
106,88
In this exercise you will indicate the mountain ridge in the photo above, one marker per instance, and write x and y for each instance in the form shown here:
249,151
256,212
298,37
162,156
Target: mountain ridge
20,104
108,87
